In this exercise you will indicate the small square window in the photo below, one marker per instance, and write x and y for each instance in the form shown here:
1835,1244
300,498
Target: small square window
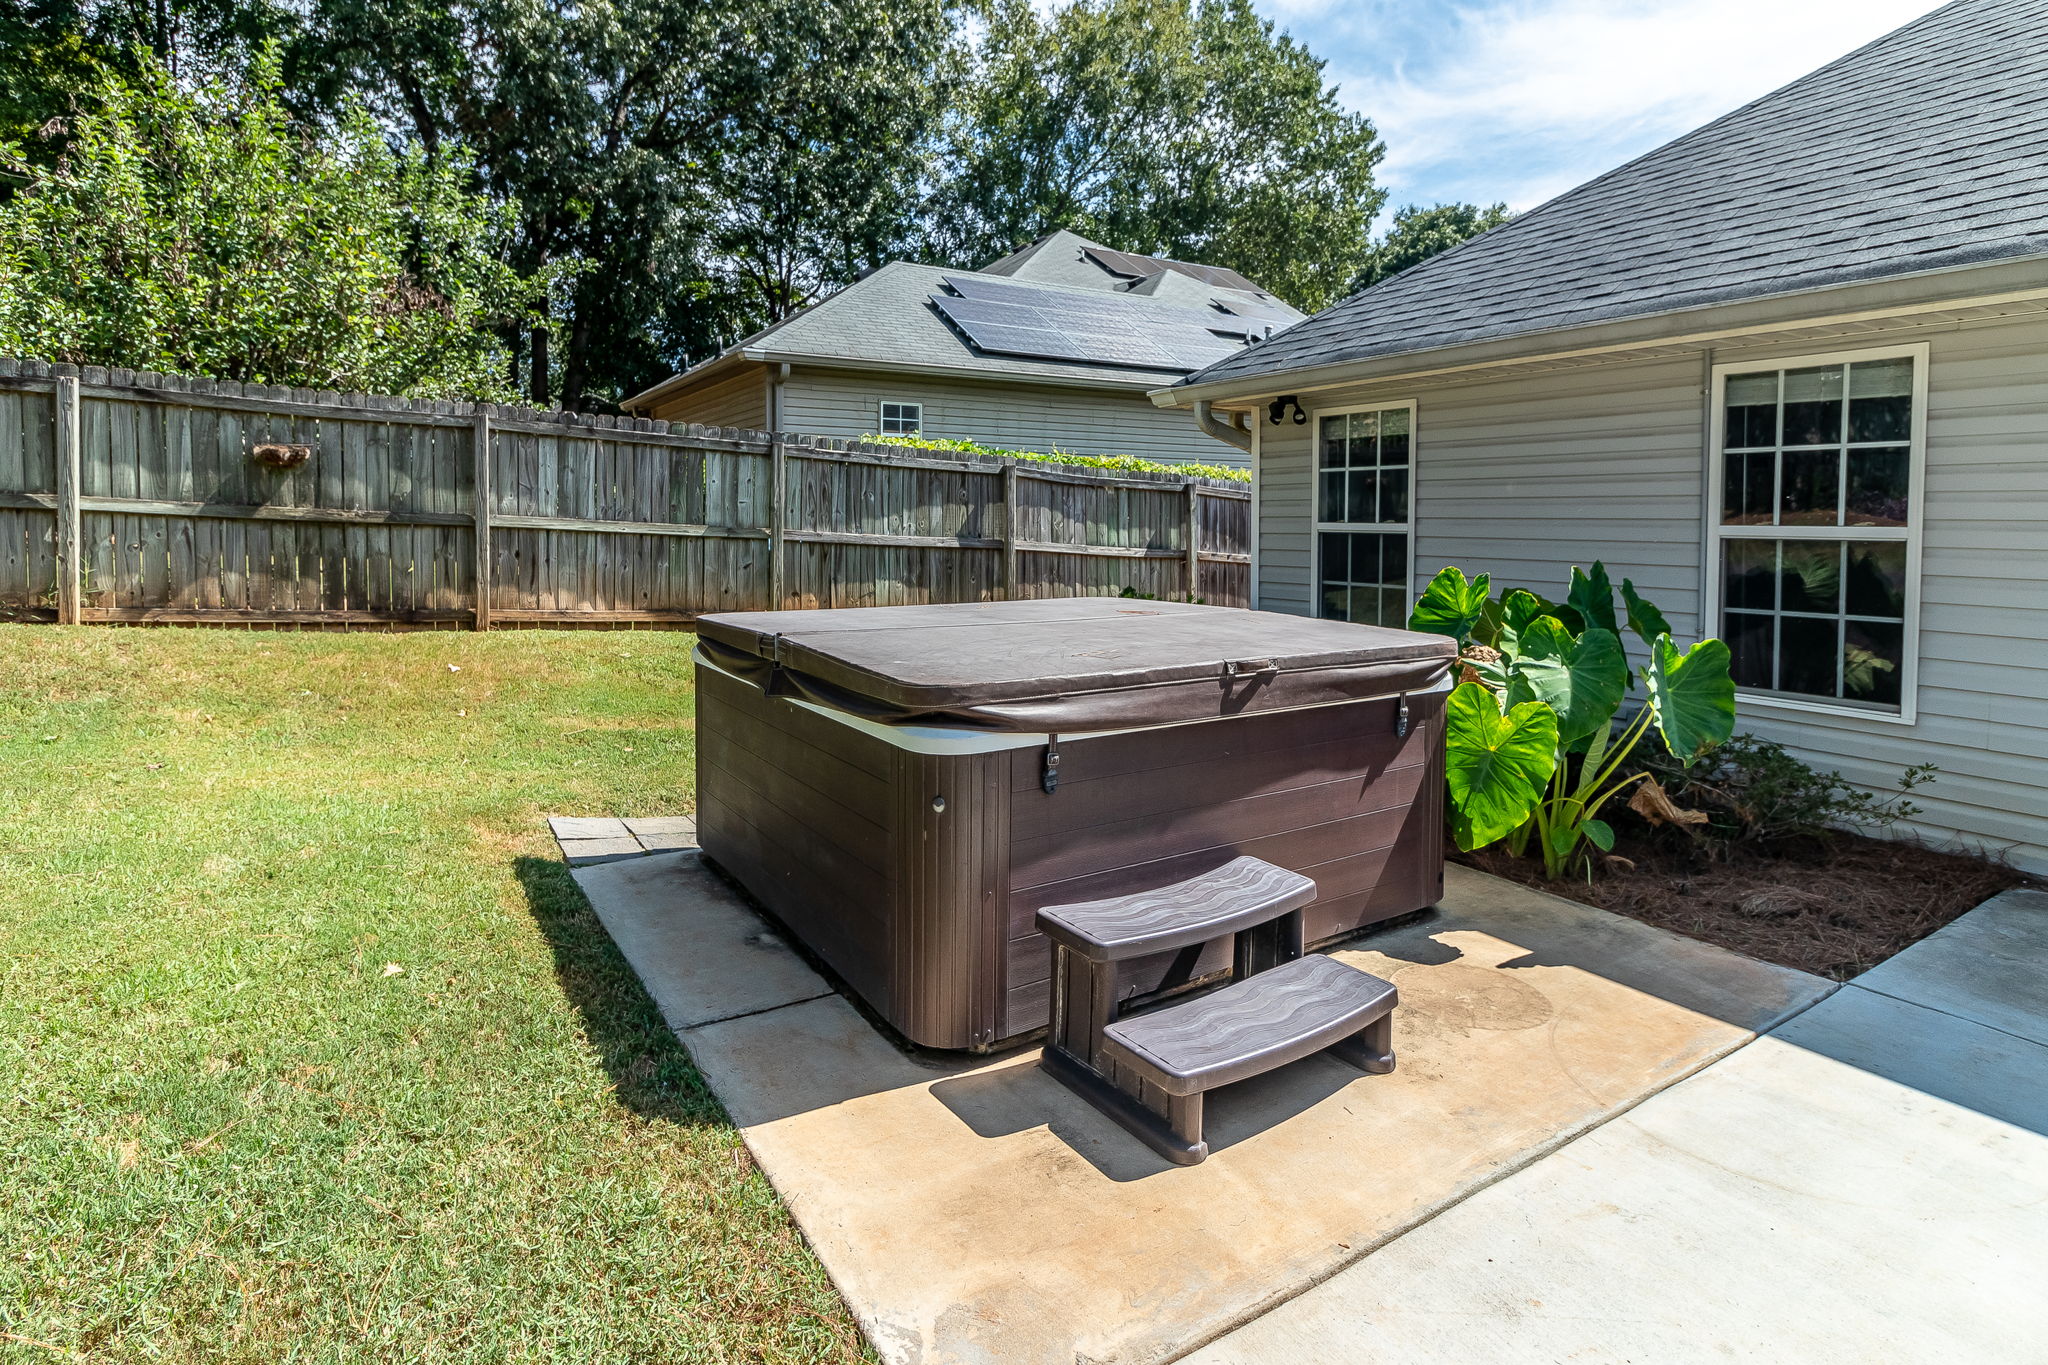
902,419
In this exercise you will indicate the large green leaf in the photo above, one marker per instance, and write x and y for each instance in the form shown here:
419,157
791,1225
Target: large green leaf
1583,680
1496,765
1517,609
1694,694
1643,617
1450,605
1592,596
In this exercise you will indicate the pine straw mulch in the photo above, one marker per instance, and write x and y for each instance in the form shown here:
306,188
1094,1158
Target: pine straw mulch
1833,907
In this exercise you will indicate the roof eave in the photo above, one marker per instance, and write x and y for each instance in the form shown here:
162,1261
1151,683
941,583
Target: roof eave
2011,277
974,372
716,367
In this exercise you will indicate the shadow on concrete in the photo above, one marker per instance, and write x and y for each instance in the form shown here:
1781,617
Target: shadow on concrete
1016,1098
1504,926
651,1073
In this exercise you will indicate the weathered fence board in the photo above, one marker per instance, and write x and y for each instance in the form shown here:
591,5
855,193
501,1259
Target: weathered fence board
404,507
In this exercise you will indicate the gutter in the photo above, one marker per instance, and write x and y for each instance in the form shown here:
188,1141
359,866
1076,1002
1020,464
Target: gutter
749,354
1787,311
966,372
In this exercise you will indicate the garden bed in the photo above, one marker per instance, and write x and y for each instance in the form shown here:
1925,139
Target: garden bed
1834,907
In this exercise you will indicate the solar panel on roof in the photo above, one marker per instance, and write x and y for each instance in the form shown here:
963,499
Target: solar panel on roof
1005,318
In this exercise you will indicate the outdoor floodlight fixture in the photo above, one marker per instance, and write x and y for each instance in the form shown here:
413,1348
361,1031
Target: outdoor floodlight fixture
1277,409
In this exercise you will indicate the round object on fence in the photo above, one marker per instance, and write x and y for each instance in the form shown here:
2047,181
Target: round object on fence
280,456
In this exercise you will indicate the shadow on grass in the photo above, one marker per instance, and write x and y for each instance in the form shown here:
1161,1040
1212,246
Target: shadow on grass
651,1073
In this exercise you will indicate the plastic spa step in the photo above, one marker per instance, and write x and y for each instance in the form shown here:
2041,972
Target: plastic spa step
1251,1026
1242,894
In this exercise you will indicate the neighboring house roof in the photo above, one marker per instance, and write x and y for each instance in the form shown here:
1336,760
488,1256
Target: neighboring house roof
1068,257
891,319
1924,150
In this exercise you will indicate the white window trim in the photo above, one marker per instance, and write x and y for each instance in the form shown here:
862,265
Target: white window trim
1316,526
881,407
1916,502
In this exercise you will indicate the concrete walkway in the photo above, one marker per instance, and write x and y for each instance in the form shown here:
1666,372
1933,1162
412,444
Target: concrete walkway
1866,1182
973,1210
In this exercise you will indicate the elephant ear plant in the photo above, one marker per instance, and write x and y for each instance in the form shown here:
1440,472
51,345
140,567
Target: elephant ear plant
1533,750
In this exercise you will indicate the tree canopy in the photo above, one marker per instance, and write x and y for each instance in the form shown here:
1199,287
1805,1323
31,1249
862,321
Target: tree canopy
667,176
196,228
1164,127
1420,233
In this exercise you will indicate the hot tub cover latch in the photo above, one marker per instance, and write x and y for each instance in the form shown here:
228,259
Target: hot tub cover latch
1401,718
1050,778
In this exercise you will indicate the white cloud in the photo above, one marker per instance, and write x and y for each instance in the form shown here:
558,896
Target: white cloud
1523,99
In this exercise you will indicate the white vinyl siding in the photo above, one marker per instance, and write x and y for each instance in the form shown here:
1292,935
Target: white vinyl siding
1286,511
830,402
1523,477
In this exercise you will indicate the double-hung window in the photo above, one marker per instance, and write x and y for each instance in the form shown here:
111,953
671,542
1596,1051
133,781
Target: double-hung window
902,419
1364,528
1814,528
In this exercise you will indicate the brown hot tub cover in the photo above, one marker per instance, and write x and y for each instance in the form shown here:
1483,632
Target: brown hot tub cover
1066,665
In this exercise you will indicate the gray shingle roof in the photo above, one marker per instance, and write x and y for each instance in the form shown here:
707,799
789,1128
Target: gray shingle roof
1925,149
887,319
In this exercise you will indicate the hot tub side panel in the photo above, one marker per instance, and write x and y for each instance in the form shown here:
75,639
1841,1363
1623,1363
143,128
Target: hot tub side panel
799,811
953,846
835,831
1331,792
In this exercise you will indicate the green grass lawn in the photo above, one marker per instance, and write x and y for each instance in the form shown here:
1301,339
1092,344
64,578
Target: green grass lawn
309,1047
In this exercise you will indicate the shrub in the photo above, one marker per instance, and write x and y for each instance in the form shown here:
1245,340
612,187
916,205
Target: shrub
1131,463
1753,793
197,228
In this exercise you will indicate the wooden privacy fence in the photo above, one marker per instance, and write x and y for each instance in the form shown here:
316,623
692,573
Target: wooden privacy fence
144,497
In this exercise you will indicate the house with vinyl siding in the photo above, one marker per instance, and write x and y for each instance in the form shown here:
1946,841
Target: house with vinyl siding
1055,345
1788,372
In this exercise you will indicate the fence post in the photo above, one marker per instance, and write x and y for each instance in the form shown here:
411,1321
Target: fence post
480,442
1194,547
778,485
1010,530
69,534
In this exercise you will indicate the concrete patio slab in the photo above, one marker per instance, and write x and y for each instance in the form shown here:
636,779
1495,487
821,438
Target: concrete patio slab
663,826
702,955
586,840
583,852
1808,1198
1986,966
974,1210
587,827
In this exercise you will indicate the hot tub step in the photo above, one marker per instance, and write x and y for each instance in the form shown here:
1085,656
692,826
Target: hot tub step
1242,894
1252,1026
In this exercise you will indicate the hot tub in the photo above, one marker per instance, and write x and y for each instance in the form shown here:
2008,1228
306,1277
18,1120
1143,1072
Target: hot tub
904,787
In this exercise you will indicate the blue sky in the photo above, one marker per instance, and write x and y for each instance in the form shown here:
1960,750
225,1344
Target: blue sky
1522,99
